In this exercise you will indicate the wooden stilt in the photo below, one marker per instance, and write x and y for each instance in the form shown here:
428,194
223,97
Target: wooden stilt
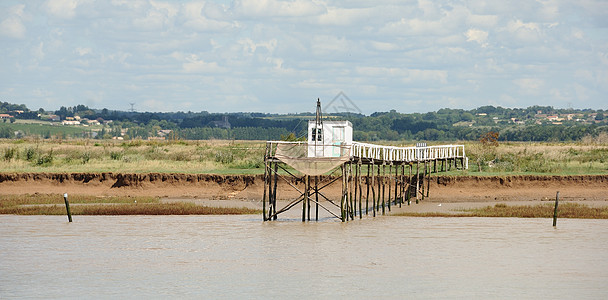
383,183
360,194
342,215
367,183
317,198
274,189
305,201
389,179
428,181
417,182
397,184
373,191
265,183
409,184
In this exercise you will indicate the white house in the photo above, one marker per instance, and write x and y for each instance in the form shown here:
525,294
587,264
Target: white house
329,139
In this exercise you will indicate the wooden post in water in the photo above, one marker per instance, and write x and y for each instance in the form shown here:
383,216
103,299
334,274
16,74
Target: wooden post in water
383,183
67,206
428,181
343,196
305,200
409,184
389,179
417,181
379,196
373,192
555,210
274,189
265,183
360,194
367,182
317,197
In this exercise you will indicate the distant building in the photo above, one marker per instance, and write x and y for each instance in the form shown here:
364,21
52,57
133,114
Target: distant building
5,116
164,132
66,122
221,124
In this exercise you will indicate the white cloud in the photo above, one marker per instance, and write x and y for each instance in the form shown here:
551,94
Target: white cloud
12,26
83,51
530,85
524,32
65,9
479,36
193,64
275,8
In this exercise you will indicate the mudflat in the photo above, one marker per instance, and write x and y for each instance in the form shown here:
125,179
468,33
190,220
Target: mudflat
446,192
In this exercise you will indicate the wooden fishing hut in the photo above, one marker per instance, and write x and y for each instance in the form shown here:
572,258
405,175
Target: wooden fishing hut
373,177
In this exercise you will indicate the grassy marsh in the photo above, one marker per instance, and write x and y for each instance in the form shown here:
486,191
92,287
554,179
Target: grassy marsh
48,204
246,157
565,210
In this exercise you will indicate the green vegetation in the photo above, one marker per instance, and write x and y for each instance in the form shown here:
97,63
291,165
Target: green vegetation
247,157
219,157
565,210
535,124
89,205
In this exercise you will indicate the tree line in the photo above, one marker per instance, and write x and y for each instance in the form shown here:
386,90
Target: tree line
535,123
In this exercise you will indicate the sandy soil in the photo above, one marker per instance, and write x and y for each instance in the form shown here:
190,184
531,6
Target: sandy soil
452,192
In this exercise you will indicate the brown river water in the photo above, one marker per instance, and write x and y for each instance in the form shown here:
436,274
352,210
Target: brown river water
240,257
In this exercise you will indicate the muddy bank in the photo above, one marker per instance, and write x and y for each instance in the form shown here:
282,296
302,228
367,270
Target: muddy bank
250,187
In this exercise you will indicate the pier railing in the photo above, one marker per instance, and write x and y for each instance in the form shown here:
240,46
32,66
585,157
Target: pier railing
388,153
407,154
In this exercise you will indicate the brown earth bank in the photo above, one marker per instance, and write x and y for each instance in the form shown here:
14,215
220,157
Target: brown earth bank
443,189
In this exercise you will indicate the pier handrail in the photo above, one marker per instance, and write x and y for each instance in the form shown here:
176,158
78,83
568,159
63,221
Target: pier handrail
408,154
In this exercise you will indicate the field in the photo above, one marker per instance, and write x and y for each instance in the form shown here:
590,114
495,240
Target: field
246,157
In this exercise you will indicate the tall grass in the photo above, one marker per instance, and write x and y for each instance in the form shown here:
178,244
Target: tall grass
565,210
247,157
42,204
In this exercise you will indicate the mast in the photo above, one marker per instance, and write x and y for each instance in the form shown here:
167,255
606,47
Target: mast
318,125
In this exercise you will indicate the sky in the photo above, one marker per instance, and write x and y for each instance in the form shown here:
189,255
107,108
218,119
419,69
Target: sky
280,56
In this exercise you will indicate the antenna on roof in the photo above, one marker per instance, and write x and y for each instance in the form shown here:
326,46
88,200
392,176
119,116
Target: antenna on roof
319,114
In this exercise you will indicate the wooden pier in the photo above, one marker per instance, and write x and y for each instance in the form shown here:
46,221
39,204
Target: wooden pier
374,178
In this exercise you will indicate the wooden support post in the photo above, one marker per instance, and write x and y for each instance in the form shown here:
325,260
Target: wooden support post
317,198
373,191
397,184
381,187
555,210
270,176
389,179
360,194
350,190
423,187
428,181
417,181
367,183
265,183
305,201
342,214
409,184
67,207
274,189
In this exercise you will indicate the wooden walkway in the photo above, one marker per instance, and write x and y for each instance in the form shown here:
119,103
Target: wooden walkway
373,178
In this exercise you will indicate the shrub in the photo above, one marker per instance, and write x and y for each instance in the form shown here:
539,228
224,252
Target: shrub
30,153
9,153
116,155
45,160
